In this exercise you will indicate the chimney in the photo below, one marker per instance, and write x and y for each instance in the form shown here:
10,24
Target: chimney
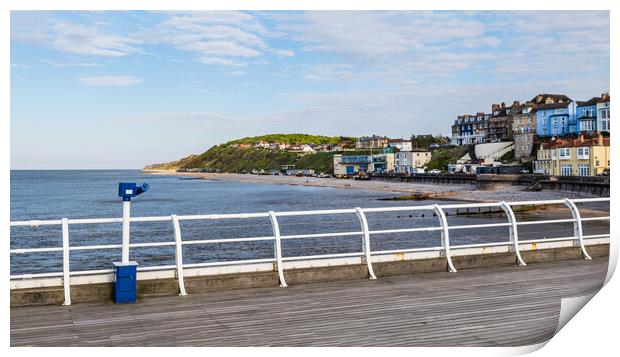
516,103
503,105
581,138
494,107
600,139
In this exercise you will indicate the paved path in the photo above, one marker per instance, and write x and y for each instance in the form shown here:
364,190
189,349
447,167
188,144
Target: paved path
504,306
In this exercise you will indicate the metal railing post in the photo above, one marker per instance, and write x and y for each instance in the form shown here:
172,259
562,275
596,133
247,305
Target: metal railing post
365,242
277,247
577,227
445,236
125,240
66,270
514,234
179,253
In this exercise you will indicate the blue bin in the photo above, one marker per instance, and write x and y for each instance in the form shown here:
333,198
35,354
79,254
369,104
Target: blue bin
125,282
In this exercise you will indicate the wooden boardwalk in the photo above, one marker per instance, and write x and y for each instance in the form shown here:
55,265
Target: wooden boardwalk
503,306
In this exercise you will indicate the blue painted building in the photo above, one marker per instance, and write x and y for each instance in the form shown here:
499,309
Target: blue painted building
586,115
603,112
555,116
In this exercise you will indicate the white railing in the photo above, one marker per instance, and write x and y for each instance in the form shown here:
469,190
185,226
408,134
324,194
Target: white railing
278,260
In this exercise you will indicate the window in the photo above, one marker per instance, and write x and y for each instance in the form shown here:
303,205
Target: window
553,154
566,170
584,170
605,125
583,153
605,113
555,121
564,154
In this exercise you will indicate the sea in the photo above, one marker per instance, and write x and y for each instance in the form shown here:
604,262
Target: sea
49,194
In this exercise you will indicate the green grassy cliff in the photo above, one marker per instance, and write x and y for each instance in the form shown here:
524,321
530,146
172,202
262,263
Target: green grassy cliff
230,157
440,158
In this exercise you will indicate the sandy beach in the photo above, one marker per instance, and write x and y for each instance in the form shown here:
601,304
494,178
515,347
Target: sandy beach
438,191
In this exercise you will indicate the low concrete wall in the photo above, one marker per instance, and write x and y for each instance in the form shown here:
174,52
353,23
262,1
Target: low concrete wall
165,287
593,186
588,188
460,179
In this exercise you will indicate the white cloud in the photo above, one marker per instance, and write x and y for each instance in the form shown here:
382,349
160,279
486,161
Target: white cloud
70,64
83,40
76,39
220,61
329,71
486,41
285,53
110,81
218,37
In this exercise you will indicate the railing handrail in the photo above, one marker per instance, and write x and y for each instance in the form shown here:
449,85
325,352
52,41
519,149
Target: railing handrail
35,223
278,260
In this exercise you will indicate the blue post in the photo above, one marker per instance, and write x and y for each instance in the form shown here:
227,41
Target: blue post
125,282
126,271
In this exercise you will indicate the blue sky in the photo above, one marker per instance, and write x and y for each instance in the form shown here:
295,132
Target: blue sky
125,89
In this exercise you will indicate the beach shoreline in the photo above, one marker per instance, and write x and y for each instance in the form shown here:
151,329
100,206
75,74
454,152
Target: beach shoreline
462,192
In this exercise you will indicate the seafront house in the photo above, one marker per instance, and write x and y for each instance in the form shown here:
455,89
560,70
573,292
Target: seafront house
587,116
410,162
524,130
383,163
371,142
555,115
500,123
470,129
352,164
400,144
574,157
602,113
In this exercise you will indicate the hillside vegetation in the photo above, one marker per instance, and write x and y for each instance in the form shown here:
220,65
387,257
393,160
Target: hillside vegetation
234,159
173,165
229,157
293,139
440,158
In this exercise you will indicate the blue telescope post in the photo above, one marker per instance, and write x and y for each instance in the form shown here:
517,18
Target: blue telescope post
126,271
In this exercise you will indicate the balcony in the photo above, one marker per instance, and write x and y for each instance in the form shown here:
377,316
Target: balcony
355,160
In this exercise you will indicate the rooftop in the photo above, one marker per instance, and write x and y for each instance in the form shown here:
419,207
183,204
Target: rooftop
546,98
552,105
577,142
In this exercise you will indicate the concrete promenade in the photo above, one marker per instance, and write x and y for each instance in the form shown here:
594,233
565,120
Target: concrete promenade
491,306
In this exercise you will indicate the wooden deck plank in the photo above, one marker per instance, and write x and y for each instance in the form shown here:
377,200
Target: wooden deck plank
499,306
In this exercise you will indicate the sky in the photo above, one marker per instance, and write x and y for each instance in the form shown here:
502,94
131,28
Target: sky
123,89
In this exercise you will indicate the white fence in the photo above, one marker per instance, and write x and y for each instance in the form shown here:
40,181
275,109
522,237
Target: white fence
277,261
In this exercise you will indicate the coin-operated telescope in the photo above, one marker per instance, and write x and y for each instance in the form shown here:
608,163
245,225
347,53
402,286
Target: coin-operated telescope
126,271
129,190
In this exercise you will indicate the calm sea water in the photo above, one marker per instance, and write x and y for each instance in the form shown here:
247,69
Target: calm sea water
93,194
